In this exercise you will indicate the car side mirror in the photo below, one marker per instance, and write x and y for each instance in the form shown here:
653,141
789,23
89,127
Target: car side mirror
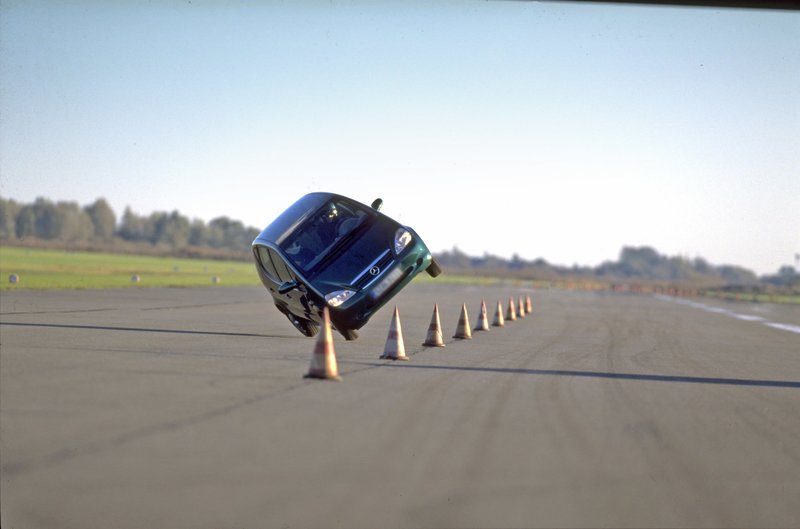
377,203
288,286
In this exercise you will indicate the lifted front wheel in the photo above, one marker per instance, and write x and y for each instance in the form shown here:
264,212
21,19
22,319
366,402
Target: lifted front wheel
434,269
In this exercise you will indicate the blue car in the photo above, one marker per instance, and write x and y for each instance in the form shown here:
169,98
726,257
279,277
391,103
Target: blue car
330,250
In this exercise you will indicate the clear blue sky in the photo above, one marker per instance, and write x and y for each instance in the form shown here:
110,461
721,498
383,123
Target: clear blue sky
554,130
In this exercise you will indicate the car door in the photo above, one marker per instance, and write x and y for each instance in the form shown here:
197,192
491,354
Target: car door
296,299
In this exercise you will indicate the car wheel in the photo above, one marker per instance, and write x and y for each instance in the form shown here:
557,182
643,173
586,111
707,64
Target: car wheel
349,334
434,269
306,327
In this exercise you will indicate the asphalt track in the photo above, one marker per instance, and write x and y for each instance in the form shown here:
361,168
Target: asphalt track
187,408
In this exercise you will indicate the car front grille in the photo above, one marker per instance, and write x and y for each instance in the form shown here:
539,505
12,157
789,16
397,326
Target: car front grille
365,277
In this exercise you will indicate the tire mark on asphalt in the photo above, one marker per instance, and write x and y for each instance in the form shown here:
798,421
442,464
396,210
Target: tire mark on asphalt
770,429
200,305
526,355
70,311
483,413
145,329
665,456
773,430
12,470
112,309
564,416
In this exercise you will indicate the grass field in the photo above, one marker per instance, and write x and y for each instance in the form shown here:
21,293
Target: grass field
57,269
755,298
38,268
48,269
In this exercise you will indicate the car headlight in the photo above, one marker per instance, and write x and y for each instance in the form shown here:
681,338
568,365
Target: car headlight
401,239
335,299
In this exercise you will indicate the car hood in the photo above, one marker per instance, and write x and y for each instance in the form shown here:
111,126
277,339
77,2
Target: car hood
365,250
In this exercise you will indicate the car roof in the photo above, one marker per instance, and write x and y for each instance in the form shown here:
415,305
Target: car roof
279,228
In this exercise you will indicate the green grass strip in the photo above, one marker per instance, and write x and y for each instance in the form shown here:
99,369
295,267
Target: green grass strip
45,269
58,269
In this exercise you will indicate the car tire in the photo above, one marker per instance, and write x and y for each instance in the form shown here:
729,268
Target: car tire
306,327
349,334
434,269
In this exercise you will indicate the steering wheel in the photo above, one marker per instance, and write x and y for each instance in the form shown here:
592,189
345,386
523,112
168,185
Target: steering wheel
294,249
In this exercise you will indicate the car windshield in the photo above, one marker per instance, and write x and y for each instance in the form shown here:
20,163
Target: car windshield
313,241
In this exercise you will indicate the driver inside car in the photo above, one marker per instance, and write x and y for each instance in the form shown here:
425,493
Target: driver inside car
311,243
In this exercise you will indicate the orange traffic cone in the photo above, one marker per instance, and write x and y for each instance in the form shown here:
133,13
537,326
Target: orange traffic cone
463,331
521,308
323,361
395,348
498,316
511,315
434,338
483,320
528,304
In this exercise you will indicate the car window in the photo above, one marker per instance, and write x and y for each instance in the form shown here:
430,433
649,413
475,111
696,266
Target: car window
280,266
266,262
313,239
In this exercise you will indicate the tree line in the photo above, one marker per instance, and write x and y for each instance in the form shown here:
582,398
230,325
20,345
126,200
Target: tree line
96,226
68,222
642,264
